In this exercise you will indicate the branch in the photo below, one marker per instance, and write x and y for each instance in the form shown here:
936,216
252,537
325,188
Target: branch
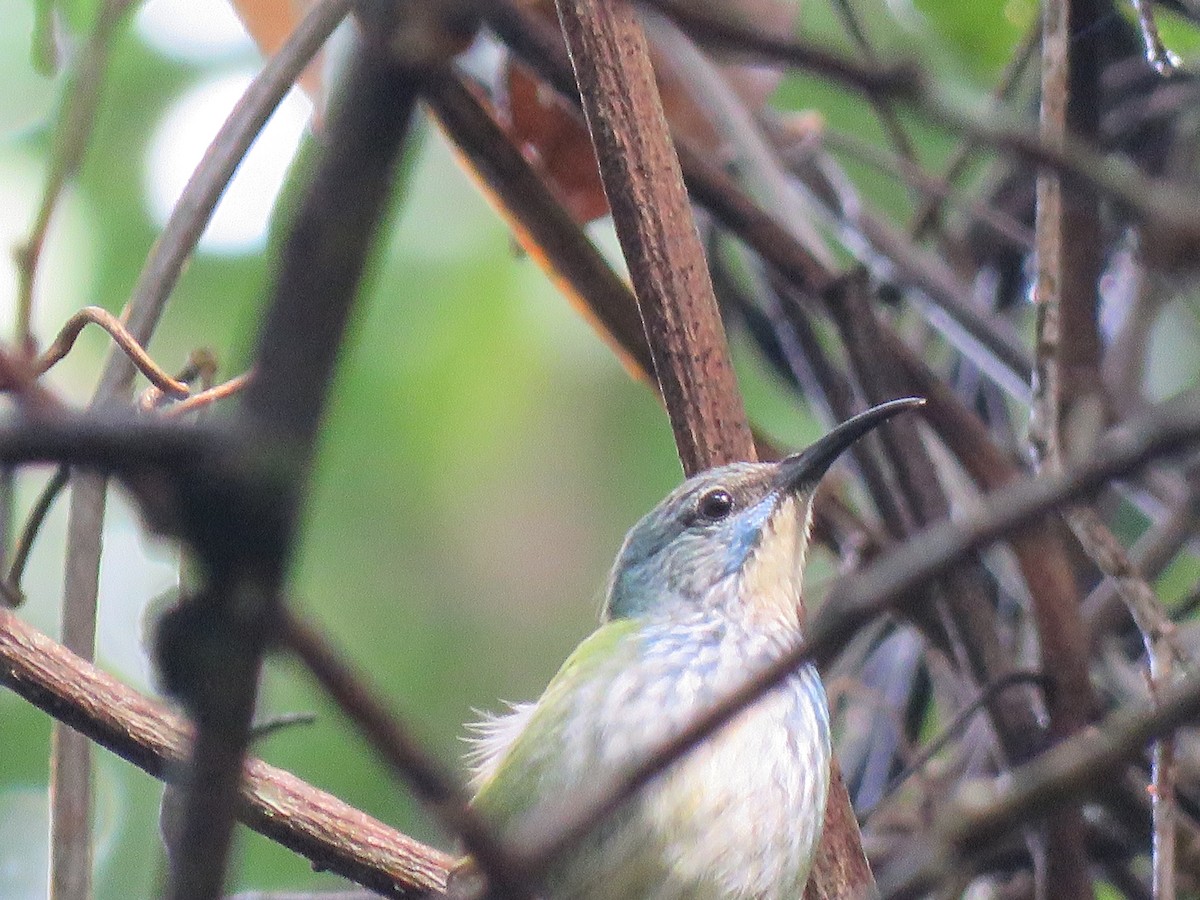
1082,765
10,587
219,639
884,111
137,354
72,135
531,210
209,396
274,803
70,757
934,191
658,235
1163,60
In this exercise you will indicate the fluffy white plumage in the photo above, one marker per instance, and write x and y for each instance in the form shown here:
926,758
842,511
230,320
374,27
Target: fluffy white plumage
490,737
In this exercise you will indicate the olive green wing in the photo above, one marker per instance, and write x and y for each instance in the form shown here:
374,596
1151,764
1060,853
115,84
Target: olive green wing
537,757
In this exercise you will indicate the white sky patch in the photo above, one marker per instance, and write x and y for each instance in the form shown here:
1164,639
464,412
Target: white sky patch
184,133
193,30
134,571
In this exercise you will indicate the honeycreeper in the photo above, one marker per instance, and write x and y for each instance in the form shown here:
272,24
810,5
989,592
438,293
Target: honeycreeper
705,592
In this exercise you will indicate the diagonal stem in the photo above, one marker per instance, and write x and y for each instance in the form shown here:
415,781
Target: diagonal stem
322,262
658,235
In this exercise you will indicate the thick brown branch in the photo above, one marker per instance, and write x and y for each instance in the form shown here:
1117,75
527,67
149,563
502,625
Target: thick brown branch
654,223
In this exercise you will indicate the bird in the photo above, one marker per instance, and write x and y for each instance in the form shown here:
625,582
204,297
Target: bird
704,593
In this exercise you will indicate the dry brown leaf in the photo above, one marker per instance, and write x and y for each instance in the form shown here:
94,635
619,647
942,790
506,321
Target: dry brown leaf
556,142
270,22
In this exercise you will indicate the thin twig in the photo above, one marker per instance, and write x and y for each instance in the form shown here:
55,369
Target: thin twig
1162,649
1162,59
265,728
928,215
11,586
936,190
884,110
222,391
1152,553
201,368
947,734
84,90
96,315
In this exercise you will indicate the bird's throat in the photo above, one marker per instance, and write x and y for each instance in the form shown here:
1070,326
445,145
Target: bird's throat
772,578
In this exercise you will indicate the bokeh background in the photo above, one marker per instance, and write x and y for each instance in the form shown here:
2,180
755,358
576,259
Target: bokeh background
484,451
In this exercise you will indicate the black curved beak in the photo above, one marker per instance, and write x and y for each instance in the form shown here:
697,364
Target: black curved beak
804,469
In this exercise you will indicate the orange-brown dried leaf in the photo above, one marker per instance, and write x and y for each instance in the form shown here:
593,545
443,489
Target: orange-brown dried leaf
270,23
556,142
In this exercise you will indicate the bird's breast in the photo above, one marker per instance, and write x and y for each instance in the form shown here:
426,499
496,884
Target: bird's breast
741,814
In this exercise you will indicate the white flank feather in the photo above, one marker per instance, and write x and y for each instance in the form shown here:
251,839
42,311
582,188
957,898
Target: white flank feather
490,738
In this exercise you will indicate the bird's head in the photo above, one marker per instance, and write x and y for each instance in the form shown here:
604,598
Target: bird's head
732,537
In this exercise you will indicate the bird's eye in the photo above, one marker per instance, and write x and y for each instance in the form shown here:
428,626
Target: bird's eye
716,504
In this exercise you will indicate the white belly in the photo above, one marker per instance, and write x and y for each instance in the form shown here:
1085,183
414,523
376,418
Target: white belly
739,817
